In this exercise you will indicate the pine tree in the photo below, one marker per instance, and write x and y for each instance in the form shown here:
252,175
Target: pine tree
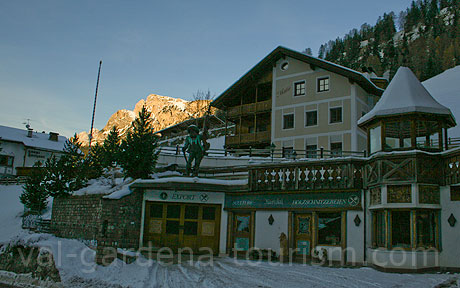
34,195
138,149
94,162
111,149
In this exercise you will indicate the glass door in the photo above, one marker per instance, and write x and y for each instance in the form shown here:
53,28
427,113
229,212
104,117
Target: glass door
302,234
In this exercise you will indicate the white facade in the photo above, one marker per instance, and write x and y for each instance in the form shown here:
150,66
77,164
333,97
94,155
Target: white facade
22,148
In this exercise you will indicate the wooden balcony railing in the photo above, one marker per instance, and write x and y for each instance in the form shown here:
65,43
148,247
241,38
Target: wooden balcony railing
251,108
309,175
248,138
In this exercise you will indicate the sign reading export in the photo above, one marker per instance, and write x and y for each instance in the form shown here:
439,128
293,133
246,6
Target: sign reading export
350,200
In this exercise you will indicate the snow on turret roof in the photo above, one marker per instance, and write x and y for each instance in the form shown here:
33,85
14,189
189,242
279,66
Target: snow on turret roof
405,94
38,140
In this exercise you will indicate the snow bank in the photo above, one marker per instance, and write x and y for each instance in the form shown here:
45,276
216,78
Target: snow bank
193,180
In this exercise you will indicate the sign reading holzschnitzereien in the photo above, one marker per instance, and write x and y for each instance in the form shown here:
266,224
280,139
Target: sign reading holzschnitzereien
350,200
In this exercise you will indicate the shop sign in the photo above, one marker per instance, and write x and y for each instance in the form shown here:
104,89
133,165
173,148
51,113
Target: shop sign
184,196
350,200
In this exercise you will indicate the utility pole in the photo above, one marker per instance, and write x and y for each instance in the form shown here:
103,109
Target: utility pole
94,107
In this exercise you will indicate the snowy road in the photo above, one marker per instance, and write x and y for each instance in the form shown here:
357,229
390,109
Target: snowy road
227,272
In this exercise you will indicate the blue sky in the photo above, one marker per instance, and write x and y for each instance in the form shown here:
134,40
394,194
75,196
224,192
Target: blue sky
50,50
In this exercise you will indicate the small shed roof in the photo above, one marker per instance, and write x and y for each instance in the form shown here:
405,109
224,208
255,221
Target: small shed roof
405,95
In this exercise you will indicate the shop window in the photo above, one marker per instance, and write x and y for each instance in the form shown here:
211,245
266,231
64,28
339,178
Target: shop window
311,118
454,193
329,228
379,228
299,88
397,135
335,115
400,229
191,212
173,211
209,213
156,210
426,229
6,160
190,228
375,139
288,121
172,227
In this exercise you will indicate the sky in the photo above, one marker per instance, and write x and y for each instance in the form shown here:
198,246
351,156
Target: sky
50,50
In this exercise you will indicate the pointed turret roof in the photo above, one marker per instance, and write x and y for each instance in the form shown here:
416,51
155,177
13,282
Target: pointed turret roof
405,95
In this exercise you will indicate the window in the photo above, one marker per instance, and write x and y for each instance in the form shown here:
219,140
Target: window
299,88
288,121
311,151
397,135
400,229
376,140
407,228
336,149
288,152
329,228
426,229
311,118
323,84
156,210
336,115
6,160
379,229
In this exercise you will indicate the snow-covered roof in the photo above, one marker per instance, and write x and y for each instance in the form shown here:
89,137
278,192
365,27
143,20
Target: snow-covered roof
406,94
445,88
38,140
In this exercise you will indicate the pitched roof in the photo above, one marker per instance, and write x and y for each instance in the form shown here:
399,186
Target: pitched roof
268,62
404,95
38,140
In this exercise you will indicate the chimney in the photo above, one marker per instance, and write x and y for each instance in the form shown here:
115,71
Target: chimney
54,136
29,132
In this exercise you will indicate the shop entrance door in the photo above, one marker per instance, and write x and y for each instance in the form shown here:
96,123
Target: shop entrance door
242,232
303,234
181,225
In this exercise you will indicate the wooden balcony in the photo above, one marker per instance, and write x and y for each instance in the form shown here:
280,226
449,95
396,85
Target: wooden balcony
309,175
251,108
248,138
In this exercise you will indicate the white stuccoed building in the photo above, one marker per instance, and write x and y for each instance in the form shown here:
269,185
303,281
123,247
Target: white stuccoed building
23,148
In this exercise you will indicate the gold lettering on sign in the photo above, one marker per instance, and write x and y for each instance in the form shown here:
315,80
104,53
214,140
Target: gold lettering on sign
155,226
207,229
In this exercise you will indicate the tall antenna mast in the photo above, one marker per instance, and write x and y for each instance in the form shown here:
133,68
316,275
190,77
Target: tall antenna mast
94,107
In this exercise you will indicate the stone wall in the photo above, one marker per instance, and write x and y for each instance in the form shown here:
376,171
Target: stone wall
77,216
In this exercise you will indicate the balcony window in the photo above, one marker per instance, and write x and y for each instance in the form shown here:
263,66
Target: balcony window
311,118
299,88
288,121
329,228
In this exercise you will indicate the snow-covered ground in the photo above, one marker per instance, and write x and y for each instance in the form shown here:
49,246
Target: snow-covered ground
445,88
76,266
